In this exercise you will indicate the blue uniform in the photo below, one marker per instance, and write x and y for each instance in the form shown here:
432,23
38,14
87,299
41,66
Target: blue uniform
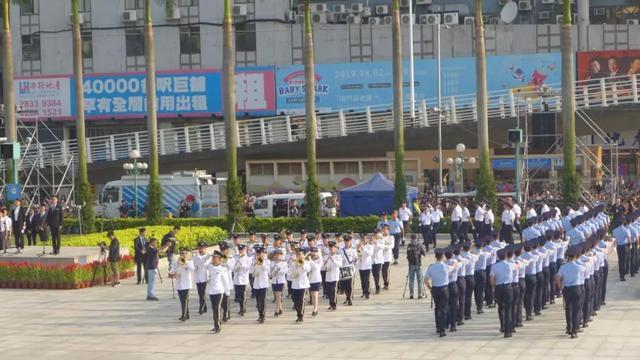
502,271
571,274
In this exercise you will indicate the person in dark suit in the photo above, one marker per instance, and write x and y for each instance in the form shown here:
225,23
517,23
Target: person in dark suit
140,257
54,221
40,223
31,227
18,217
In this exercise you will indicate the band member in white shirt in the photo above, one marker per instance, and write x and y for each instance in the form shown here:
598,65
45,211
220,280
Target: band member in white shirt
219,285
183,273
517,212
378,259
404,214
228,262
478,221
488,221
5,230
315,279
201,262
300,282
436,218
260,269
465,223
241,269
279,269
508,218
425,226
387,255
332,265
365,263
349,259
456,220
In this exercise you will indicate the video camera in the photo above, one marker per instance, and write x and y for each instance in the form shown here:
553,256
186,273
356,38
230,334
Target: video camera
102,245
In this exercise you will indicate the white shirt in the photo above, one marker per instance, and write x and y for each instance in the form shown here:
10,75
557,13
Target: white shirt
404,214
299,278
425,218
5,224
584,209
279,271
366,257
456,213
479,216
241,269
333,265
218,279
349,257
517,210
201,263
489,217
507,217
315,266
387,248
184,276
545,208
436,215
531,213
378,247
465,214
261,274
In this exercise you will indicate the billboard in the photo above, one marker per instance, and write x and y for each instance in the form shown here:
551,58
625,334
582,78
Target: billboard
357,85
596,65
510,164
123,95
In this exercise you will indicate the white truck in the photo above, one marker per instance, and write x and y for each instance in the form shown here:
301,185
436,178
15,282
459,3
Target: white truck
197,188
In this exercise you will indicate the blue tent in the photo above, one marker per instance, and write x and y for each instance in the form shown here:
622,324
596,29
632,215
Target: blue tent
372,197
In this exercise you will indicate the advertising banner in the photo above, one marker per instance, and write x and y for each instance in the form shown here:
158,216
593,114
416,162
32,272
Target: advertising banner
48,96
510,164
596,65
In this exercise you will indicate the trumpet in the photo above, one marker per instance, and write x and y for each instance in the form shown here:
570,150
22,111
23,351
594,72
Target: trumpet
260,260
182,260
300,262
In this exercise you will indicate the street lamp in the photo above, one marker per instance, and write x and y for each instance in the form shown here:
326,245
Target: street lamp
439,89
459,163
135,168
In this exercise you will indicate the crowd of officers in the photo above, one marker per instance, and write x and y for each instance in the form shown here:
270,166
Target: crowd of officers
557,256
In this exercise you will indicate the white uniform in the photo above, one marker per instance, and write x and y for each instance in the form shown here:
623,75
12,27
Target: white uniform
184,276
201,263
378,256
314,270
241,270
218,279
387,248
279,271
333,265
299,278
261,274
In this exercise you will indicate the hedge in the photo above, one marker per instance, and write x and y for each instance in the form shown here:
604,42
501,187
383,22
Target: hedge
188,237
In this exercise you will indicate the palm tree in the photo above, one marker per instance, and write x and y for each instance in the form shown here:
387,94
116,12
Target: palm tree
312,193
570,182
485,184
398,123
85,196
154,192
234,190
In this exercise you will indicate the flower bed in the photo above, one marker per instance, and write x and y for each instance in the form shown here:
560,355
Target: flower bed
40,276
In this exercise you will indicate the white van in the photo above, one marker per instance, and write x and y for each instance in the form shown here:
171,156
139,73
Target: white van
279,205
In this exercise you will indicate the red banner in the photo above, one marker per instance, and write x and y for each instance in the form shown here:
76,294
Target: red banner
596,65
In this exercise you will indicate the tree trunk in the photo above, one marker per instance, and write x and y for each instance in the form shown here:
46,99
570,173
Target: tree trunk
570,182
10,120
312,193
85,196
233,189
398,118
486,188
154,192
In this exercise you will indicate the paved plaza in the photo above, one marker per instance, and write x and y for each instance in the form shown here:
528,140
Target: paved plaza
118,323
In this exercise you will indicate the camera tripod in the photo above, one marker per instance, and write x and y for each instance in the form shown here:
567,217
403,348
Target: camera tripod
102,261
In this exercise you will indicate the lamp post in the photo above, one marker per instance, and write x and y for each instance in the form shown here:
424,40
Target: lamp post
135,168
459,163
412,93
439,90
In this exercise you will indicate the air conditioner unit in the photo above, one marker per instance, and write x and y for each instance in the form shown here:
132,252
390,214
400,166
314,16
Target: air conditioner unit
599,11
451,18
375,21
129,16
340,9
354,19
175,16
424,2
559,19
320,8
319,18
382,9
405,19
357,8
548,2
430,19
404,3
543,15
340,18
469,20
633,22
300,19
524,5
80,18
239,10
387,20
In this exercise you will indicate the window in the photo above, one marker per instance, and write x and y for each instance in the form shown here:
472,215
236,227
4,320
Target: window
87,45
372,167
189,2
190,47
261,169
260,204
111,194
246,37
323,168
289,169
134,41
31,47
345,168
133,4
29,7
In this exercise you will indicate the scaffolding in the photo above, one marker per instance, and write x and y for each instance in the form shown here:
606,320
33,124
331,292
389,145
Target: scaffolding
41,173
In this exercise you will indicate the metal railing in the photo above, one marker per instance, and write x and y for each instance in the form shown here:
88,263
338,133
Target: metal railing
376,118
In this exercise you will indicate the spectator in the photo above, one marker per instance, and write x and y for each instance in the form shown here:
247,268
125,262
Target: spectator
114,258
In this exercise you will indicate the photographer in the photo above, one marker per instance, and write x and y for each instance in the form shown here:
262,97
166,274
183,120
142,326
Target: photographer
153,260
170,240
114,258
415,252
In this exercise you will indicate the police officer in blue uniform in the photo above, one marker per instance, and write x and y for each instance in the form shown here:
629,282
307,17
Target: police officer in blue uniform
436,279
623,243
501,276
569,280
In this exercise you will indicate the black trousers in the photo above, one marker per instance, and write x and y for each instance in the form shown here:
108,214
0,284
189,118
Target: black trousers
289,289
462,295
545,286
201,296
365,276
140,267
385,273
597,290
453,305
523,289
633,259
506,233
605,277
331,292
440,296
216,308
17,235
587,301
375,270
504,299
516,226
537,300
478,291
347,287
396,245
559,263
553,270
572,308
489,295
515,287
323,275
435,228
226,307
463,235
477,229
31,238
622,260
529,296
469,288
298,301
426,236
55,239
183,295
241,296
455,229
260,295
